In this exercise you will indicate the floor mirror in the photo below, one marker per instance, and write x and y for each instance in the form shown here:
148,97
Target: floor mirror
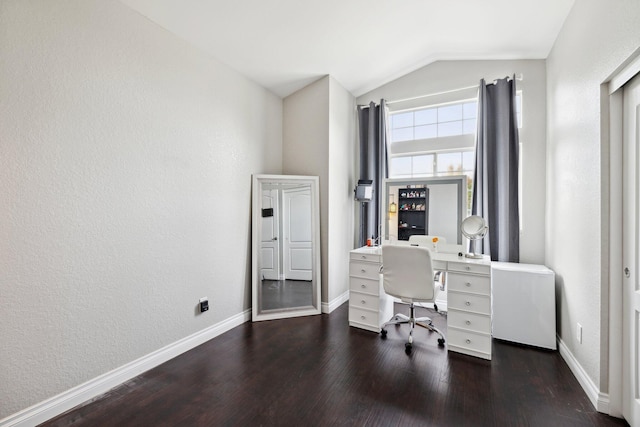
285,247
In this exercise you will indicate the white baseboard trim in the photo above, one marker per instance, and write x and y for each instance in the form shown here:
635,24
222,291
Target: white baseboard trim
599,400
73,397
335,303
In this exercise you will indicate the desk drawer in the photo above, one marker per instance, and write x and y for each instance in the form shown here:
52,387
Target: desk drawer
364,316
467,320
360,300
367,270
469,283
469,340
469,302
365,257
368,286
467,267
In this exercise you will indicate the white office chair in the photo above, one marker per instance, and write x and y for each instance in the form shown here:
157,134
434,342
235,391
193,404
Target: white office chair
408,275
427,242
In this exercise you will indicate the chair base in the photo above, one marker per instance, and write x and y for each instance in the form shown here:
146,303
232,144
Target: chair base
425,322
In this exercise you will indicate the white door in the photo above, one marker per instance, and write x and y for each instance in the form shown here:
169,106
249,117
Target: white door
269,245
297,247
631,227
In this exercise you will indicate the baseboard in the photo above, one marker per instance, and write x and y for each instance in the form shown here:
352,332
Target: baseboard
599,400
71,398
335,303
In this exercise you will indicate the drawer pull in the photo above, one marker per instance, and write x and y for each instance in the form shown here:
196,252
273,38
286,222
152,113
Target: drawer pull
363,286
364,257
468,303
468,322
467,268
363,271
363,317
467,284
468,341
363,302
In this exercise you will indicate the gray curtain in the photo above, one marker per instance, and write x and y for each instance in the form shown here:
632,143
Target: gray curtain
372,124
495,183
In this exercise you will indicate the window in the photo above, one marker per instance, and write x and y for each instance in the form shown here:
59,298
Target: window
434,122
437,140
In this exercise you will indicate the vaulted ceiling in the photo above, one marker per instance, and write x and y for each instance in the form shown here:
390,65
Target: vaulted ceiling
284,45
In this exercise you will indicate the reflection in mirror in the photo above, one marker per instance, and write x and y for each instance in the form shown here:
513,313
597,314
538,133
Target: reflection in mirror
425,206
286,269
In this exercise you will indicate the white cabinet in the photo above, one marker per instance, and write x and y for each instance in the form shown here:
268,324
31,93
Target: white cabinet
469,309
369,306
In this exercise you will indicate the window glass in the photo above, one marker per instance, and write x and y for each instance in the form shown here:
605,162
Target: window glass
449,113
469,126
450,128
449,163
402,120
470,110
402,134
468,160
428,131
423,165
400,166
426,117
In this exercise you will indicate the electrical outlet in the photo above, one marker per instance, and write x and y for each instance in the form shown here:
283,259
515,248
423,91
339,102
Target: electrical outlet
204,304
579,333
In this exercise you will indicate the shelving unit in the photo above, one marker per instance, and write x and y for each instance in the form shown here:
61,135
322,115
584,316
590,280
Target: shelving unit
413,208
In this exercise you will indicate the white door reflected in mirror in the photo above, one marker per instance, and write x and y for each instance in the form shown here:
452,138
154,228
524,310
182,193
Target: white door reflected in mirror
285,247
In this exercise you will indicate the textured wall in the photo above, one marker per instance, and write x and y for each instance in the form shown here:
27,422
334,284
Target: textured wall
305,149
342,181
596,38
318,139
125,166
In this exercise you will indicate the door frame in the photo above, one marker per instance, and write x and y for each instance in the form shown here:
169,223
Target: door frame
611,134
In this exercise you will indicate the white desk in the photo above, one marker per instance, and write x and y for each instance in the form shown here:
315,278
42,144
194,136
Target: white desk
468,286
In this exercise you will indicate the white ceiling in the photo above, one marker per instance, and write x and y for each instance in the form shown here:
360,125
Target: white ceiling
286,44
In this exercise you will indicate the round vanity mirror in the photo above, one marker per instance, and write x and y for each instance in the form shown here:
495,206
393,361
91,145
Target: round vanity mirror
474,228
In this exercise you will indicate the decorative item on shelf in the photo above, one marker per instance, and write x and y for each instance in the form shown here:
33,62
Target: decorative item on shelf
435,244
393,208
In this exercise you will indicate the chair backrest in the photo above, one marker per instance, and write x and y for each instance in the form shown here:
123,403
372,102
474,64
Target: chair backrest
408,273
427,241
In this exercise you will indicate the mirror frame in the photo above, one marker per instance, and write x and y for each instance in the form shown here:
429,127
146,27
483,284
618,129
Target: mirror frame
459,180
256,230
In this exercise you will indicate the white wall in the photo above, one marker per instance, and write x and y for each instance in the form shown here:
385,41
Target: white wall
342,180
445,76
596,38
318,135
305,149
125,167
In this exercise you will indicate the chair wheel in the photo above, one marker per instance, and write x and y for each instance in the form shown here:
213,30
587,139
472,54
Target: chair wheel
441,342
407,348
383,333
435,307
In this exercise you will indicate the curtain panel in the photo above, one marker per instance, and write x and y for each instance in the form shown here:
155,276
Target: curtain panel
495,183
372,126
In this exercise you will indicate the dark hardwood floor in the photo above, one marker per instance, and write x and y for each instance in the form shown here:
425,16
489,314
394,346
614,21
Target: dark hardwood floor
318,371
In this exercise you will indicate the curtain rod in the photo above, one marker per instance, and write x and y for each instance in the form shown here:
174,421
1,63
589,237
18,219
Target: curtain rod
518,77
